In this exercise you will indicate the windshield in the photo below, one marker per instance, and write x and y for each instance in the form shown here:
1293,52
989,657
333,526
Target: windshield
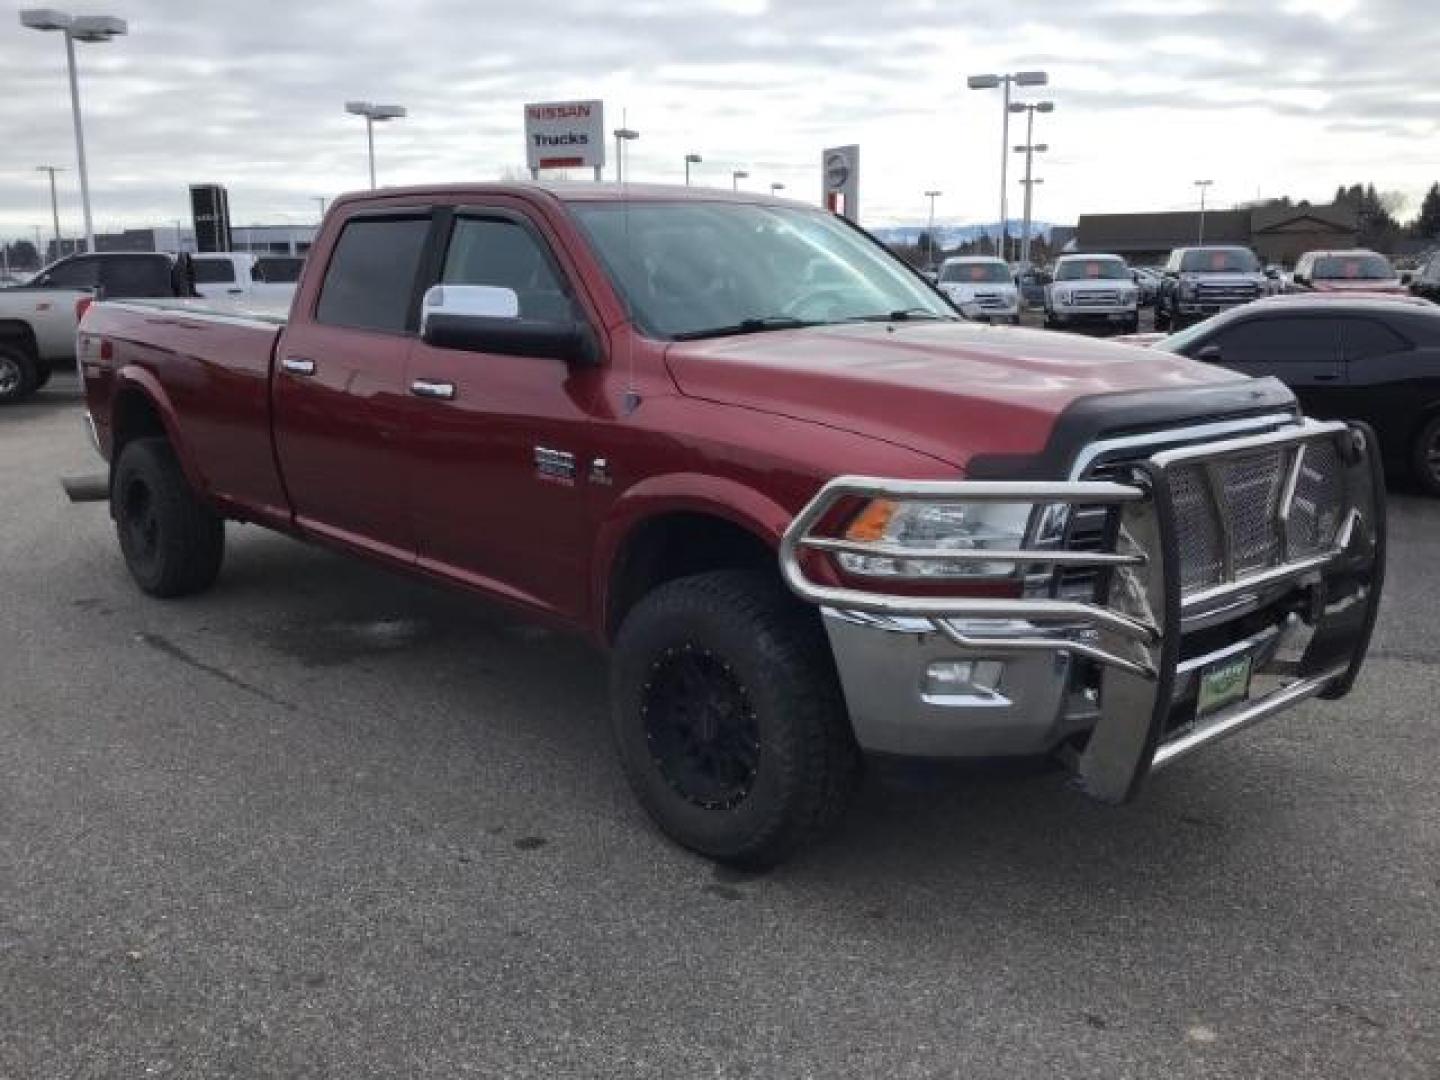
1219,261
697,269
1368,267
1092,269
1181,340
984,272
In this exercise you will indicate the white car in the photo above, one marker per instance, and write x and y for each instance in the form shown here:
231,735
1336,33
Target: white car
981,287
1093,290
240,275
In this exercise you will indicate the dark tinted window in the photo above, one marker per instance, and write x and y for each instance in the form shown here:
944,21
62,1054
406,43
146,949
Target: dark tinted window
1279,340
504,254
371,276
984,272
214,271
1366,337
277,270
73,274
137,276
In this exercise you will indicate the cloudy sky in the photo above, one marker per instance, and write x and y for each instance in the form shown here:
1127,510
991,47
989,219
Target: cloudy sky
1265,97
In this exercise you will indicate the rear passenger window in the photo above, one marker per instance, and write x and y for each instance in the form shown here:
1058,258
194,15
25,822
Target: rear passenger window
370,281
133,278
214,271
1365,338
502,253
75,274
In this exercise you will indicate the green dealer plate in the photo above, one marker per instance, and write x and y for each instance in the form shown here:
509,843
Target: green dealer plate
1224,683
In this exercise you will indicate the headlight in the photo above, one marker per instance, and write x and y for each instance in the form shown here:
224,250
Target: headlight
1188,288
1062,296
1127,295
935,526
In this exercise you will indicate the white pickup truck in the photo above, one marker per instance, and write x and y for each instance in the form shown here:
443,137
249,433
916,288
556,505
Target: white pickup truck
1093,290
981,287
223,275
38,320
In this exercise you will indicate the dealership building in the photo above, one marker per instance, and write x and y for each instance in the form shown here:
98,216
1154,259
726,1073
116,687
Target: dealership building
1277,234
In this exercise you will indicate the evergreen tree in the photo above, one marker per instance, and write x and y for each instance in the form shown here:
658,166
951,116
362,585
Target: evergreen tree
1427,224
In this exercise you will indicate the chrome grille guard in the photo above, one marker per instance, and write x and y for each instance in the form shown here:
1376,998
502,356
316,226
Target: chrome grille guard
1134,631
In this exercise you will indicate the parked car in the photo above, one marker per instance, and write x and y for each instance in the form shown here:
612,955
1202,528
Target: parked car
1031,281
1374,359
1147,279
231,274
38,320
1425,282
1092,290
981,287
1200,281
807,520
1342,271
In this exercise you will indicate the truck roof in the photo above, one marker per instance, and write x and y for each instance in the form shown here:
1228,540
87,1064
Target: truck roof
573,191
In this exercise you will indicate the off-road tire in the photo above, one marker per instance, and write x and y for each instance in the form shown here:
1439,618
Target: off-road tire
17,374
753,634
173,542
1163,319
1425,456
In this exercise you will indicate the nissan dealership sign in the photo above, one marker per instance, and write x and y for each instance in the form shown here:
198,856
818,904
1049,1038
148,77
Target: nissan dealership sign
565,135
840,177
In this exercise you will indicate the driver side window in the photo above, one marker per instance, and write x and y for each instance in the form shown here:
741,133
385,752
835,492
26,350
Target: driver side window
487,251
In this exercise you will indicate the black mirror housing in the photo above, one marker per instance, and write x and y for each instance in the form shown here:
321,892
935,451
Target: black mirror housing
571,341
1209,354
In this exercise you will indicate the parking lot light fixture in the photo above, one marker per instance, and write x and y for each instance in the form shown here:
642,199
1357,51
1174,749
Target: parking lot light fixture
691,159
91,29
622,136
373,114
736,177
930,229
1203,185
776,188
1004,82
54,202
1030,149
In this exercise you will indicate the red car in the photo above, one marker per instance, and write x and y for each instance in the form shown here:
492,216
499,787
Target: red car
810,515
1347,271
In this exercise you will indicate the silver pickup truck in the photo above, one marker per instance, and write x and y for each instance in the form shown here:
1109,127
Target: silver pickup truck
38,320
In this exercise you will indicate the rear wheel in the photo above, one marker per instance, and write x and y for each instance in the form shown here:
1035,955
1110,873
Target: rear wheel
728,718
17,374
172,542
1425,457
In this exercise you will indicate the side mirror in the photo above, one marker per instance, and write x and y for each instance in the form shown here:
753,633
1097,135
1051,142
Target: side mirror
1406,277
486,319
1209,354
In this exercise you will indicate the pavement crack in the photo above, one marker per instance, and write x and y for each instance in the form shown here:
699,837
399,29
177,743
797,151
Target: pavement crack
175,652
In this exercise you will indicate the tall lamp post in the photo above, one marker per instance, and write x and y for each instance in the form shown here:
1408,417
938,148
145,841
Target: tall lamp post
736,177
622,136
691,159
1030,149
54,202
990,82
776,188
930,229
85,28
1202,185
373,114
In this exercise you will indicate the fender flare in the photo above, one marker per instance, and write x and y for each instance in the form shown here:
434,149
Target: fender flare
671,493
135,379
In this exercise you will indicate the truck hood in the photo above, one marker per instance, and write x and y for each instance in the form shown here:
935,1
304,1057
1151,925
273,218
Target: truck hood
949,390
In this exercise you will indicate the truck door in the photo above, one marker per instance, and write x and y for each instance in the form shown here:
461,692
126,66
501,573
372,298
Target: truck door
340,397
1302,350
501,446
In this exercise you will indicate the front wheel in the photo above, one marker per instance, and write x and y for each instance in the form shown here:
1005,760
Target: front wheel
173,542
1425,457
729,720
17,374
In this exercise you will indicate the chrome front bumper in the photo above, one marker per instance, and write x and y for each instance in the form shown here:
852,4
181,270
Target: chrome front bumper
1304,623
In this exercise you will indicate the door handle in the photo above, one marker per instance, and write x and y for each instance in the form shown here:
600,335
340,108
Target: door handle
1326,378
430,388
298,365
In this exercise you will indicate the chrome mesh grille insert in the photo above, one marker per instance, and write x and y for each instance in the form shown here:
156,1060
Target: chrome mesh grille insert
1316,511
1201,546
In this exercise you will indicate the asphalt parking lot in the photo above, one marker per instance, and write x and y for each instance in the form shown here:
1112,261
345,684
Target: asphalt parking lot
326,821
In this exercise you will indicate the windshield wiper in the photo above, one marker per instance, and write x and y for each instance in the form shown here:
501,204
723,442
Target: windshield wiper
901,315
758,324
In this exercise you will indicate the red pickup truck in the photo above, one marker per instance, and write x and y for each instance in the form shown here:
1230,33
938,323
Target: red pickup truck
810,511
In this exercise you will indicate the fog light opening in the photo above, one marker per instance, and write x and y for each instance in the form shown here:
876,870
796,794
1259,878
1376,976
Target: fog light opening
977,678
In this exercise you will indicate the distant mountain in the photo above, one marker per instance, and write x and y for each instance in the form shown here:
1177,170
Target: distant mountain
949,236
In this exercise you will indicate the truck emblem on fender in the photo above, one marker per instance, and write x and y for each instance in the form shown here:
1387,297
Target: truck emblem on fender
554,465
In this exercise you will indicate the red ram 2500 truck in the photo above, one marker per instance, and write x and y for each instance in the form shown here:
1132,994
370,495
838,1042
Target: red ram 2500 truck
811,513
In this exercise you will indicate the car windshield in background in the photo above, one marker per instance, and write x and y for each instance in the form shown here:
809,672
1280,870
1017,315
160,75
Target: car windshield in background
1353,268
1092,270
1220,261
702,269
990,273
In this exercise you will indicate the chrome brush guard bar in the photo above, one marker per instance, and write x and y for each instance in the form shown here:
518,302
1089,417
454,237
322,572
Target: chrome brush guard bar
1135,626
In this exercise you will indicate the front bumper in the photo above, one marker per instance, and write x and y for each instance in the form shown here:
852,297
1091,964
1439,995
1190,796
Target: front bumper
1117,313
1117,679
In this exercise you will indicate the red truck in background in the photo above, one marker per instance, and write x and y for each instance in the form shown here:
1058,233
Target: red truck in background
810,511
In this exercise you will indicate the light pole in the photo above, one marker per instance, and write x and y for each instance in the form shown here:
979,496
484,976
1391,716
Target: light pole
1030,149
990,82
373,114
622,136
736,177
930,229
1202,185
691,159
321,200
87,28
54,202
776,188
